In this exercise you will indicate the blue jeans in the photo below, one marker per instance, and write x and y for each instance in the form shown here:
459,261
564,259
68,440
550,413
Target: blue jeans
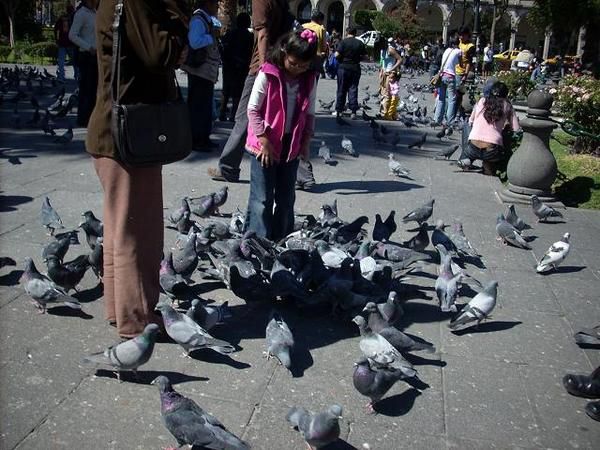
61,60
446,100
270,186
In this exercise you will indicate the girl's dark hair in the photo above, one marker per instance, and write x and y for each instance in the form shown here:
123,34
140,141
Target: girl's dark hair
495,103
453,42
293,44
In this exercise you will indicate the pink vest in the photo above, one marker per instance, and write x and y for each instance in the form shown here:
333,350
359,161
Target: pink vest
273,112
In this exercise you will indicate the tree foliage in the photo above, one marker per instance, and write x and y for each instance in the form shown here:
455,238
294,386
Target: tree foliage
563,16
364,18
401,22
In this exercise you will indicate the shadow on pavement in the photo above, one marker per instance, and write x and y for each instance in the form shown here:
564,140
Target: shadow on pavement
565,269
89,295
210,356
11,279
365,187
340,444
65,311
9,202
397,405
147,376
488,327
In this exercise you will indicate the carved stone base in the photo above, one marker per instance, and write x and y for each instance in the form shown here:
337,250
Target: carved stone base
522,195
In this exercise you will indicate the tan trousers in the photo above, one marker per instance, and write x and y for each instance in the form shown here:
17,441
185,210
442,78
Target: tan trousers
133,243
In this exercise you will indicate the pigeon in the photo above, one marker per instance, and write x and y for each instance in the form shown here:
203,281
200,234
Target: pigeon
439,237
396,168
317,429
446,154
379,351
461,242
128,355
171,282
280,341
447,284
236,225
332,256
92,227
348,147
588,336
188,334
176,215
509,234
513,219
401,342
207,316
420,214
391,310
440,134
203,206
96,259
185,259
67,275
419,241
374,382
57,248
383,230
66,137
326,105
42,290
6,261
50,218
543,211
325,153
419,143
46,125
395,253
478,308
220,197
555,255
190,424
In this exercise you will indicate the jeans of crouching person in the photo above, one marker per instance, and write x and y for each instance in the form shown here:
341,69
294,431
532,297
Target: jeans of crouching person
272,196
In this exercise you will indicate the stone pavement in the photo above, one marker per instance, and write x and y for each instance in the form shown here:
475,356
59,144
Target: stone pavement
495,387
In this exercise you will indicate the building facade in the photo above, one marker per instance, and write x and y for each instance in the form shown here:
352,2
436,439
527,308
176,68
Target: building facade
441,17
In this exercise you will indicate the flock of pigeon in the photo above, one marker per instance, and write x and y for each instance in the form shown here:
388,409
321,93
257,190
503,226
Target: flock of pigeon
327,263
30,84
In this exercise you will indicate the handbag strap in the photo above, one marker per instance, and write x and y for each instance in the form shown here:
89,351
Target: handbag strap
115,76
443,60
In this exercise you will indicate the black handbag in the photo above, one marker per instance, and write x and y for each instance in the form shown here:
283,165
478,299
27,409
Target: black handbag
146,134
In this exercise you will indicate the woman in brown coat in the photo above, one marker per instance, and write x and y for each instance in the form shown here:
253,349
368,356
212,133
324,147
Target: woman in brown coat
152,46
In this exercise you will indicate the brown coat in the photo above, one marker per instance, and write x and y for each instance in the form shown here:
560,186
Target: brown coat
155,34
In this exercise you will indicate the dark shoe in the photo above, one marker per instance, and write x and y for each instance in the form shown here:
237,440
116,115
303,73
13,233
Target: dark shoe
592,409
216,174
353,116
440,134
449,131
587,386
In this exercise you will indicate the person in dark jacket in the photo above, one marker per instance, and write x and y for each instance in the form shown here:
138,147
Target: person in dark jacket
237,46
153,43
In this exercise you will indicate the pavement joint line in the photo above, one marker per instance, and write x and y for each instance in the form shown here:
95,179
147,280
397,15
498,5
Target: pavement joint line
12,229
47,415
534,411
257,405
443,386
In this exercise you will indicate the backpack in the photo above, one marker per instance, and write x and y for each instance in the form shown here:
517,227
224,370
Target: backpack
197,57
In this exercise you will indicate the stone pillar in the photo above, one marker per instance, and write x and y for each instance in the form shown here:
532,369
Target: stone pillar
532,168
547,38
581,40
513,38
514,27
346,22
445,26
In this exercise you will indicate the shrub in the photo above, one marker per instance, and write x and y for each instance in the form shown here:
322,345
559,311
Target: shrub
4,52
577,98
518,83
43,49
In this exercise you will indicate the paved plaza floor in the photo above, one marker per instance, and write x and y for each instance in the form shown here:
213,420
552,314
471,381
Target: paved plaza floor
498,386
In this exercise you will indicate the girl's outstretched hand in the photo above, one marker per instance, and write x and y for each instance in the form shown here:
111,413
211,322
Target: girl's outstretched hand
266,153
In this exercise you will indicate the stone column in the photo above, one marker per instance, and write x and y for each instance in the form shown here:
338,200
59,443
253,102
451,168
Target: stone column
445,26
513,38
581,40
547,38
346,22
532,168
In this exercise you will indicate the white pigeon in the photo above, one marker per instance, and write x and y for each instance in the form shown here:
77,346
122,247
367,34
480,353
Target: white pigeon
325,153
368,266
396,168
348,147
66,137
478,308
555,255
332,256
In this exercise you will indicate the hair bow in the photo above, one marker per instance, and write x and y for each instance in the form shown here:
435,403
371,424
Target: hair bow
308,35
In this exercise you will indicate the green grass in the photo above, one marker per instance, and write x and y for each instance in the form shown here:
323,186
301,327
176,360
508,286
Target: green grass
581,188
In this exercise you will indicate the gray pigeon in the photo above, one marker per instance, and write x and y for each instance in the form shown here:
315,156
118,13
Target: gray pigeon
420,214
543,211
479,308
461,242
379,351
396,168
207,316
42,290
419,143
171,282
332,256
325,153
190,424
513,219
185,259
438,237
50,218
509,234
57,248
128,355
401,342
176,215
188,333
203,206
348,147
374,382
447,284
391,311
419,241
220,198
317,429
280,341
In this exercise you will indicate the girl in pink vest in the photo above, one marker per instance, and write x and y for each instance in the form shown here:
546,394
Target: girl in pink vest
281,116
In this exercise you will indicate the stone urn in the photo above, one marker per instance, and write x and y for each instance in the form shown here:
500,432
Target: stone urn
532,168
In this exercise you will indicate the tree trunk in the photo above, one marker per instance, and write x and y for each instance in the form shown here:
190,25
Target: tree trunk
493,28
11,30
412,5
227,14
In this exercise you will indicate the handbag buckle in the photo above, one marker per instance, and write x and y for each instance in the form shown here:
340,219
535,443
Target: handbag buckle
162,138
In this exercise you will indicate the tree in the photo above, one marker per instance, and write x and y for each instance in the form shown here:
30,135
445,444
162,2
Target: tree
498,11
402,21
227,13
10,8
